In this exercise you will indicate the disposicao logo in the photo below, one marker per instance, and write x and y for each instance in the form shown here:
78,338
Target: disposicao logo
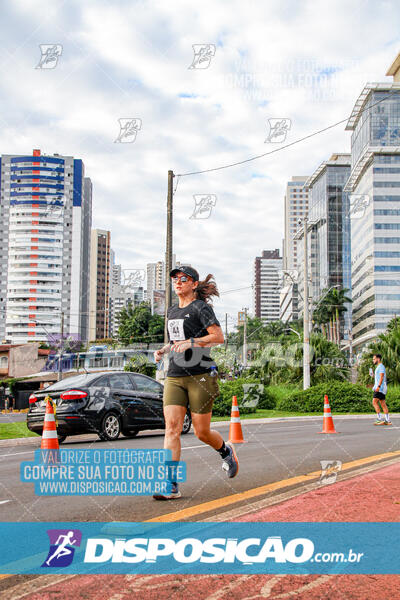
190,550
61,551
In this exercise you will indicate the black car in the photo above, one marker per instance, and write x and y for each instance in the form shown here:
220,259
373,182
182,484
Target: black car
104,403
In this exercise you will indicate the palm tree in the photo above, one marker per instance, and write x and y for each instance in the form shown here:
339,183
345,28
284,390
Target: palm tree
330,310
321,317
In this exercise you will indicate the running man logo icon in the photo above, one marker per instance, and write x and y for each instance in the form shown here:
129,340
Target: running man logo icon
203,53
50,55
61,551
203,205
128,129
278,129
329,471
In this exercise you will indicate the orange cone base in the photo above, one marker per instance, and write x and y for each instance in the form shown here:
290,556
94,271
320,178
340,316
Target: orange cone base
328,432
237,441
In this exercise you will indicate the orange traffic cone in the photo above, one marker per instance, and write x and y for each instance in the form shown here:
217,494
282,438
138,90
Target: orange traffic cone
328,426
49,435
235,428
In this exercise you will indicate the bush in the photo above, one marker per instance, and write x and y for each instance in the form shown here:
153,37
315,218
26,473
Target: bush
279,392
343,398
139,363
223,404
393,398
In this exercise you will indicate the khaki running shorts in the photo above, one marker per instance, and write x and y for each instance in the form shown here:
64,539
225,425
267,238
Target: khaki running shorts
196,391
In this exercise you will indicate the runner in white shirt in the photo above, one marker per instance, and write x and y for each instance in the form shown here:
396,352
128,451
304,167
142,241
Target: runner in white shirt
380,391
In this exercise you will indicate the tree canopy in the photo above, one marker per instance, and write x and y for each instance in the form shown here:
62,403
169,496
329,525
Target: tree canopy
137,324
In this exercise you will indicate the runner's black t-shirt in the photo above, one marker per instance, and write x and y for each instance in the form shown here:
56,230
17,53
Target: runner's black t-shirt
184,323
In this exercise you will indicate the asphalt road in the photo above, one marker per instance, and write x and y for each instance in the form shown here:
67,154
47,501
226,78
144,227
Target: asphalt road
274,451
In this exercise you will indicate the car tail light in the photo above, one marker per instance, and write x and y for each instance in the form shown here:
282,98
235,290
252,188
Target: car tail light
73,395
32,399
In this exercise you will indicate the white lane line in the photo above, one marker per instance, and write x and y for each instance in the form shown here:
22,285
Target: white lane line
31,451
15,453
4,501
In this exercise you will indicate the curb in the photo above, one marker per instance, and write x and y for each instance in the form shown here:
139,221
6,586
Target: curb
19,441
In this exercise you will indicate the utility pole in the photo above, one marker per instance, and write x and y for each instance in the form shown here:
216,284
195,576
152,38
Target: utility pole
60,354
245,340
306,348
226,331
168,252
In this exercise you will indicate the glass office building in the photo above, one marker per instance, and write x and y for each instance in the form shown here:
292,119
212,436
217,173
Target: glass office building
329,231
374,188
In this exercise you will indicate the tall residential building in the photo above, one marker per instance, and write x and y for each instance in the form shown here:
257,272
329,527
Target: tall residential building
100,266
115,283
45,220
266,285
329,232
288,300
156,284
121,297
296,207
155,277
374,185
116,274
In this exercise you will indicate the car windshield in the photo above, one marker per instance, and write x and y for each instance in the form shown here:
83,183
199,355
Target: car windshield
79,380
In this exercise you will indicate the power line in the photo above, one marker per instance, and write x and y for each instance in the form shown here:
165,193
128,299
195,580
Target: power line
242,162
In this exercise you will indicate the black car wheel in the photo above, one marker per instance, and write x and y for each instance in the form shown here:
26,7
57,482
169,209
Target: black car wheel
61,438
130,434
110,427
187,423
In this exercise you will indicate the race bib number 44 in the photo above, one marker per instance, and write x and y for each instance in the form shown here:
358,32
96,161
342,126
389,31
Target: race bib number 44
175,329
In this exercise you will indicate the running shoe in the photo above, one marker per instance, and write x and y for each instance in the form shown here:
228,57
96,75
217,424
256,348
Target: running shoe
379,422
172,495
388,422
230,463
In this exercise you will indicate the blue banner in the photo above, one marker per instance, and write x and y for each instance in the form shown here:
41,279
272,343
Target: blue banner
103,472
208,548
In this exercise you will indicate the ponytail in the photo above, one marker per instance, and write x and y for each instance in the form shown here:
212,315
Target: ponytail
206,288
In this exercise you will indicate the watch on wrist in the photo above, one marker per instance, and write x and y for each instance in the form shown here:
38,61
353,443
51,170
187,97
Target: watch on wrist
192,342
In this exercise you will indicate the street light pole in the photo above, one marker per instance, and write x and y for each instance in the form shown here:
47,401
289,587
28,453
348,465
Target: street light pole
60,354
168,253
245,340
306,334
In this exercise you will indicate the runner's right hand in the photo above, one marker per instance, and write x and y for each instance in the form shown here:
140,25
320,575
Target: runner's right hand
158,355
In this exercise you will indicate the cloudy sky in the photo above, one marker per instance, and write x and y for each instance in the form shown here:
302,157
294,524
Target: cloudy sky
124,59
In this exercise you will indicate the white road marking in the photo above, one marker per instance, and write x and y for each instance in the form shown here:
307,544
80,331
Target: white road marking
15,453
4,501
192,447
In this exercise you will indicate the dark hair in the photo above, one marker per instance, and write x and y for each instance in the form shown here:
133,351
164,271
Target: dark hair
206,288
378,356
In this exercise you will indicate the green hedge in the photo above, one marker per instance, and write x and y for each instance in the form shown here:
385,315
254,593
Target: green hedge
393,398
254,400
343,398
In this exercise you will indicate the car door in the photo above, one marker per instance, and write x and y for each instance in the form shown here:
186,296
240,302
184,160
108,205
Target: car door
151,393
122,390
